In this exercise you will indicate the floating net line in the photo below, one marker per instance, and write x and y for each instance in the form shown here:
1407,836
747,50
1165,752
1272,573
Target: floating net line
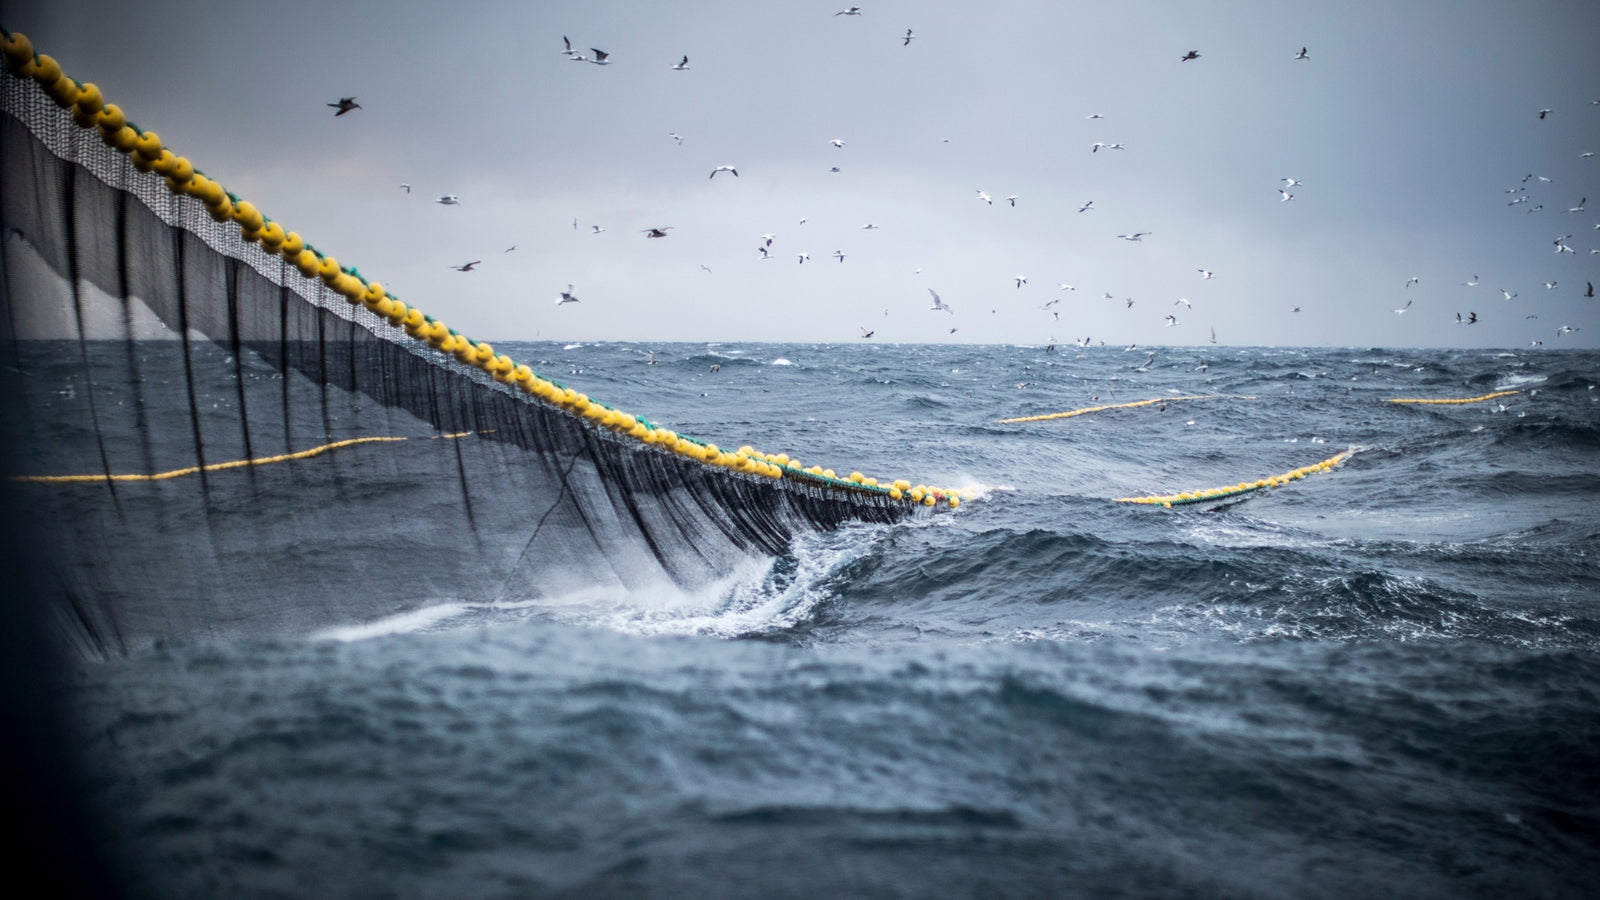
163,340
1244,487
1071,413
1454,401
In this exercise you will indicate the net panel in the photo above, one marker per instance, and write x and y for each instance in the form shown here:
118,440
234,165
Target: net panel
141,336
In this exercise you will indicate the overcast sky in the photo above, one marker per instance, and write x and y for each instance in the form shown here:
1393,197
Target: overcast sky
1409,123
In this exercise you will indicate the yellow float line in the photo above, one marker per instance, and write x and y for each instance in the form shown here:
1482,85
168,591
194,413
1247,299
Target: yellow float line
1461,400
216,467
1091,409
1167,500
90,110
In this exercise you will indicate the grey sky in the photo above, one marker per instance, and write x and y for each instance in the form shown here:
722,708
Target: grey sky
1407,124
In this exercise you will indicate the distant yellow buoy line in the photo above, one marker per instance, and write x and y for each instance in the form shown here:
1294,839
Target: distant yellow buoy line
1454,401
147,153
1094,409
1218,493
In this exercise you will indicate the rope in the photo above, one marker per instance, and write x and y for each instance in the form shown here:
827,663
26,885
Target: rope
1457,401
215,467
1243,487
1093,409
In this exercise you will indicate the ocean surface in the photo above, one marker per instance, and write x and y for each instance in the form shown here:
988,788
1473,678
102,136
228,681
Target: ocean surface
1379,680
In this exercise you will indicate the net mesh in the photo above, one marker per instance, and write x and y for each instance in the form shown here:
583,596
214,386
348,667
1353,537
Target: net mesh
140,337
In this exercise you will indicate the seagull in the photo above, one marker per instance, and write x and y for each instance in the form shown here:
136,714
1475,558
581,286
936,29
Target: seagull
681,64
803,257
1095,147
569,51
724,169
985,198
1192,54
676,136
706,268
1590,291
1549,285
1579,207
837,143
765,254
1402,310
567,297
1545,112
405,187
1094,116
869,227
1472,318
852,11
1136,236
596,229
940,304
1116,146
1012,199
1088,206
1296,309
1206,274
1213,335
1067,287
448,200
1284,196
657,232
1171,321
1412,280
601,58
1586,154
344,105
1509,295
467,267
1021,280
907,38
1472,283
768,238
1129,301
839,255
1301,54
1291,182
1565,329
1184,301
511,248
866,334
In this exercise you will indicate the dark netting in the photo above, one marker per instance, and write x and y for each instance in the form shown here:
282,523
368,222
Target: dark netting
140,336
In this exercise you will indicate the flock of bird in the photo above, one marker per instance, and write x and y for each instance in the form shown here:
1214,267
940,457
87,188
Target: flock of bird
598,57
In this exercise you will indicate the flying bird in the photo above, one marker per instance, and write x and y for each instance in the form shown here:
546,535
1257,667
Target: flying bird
1012,199
467,267
1094,116
1472,283
681,64
1021,280
1184,301
566,297
1136,236
837,142
908,38
866,334
1171,320
1545,112
1402,310
1284,196
448,200
1590,291
1087,206
852,11
1509,295
724,169
596,229
939,304
601,58
1412,280
1192,54
405,187
1565,329
869,227
657,232
344,105
1206,274
839,255
985,198
1301,54
1291,182
676,136
803,257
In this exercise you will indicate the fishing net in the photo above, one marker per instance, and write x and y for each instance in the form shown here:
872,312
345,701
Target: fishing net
202,440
